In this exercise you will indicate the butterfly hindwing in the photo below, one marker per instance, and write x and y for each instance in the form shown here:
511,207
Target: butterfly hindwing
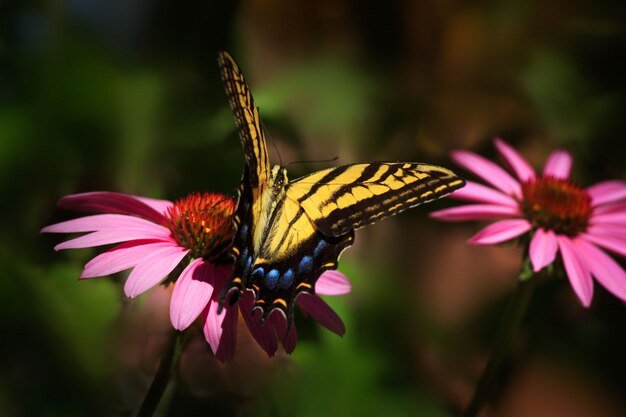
292,258
240,250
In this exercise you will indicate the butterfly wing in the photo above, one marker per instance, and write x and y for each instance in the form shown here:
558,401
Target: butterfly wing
338,200
254,183
248,121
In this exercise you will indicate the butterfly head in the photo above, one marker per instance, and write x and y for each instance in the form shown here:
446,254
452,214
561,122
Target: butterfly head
278,179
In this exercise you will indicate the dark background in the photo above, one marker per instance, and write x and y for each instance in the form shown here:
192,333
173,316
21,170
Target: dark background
125,95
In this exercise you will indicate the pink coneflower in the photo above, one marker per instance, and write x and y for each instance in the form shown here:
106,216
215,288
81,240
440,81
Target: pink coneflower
157,237
160,238
558,215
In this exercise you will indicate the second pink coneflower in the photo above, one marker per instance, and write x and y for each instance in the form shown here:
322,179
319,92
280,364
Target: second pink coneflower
559,216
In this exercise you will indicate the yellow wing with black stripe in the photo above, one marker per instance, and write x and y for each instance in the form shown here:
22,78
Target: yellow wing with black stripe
348,197
248,121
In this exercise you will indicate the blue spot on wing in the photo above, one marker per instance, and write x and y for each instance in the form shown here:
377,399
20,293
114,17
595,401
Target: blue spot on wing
258,272
286,280
318,249
271,278
305,265
243,230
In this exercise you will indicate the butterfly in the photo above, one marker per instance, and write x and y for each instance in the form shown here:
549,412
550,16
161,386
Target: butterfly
289,232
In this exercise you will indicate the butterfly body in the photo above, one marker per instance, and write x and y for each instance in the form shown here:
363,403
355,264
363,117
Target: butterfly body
290,232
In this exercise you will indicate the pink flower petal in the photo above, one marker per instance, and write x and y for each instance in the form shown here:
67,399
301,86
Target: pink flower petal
213,325
475,212
332,282
122,257
104,222
109,228
603,267
289,344
618,231
152,269
107,202
609,236
543,248
320,311
558,165
192,292
518,164
479,193
616,218
228,341
263,334
577,273
607,192
288,335
609,208
106,237
220,329
613,243
500,232
162,206
488,171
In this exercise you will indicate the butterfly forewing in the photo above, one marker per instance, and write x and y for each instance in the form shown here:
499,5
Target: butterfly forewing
248,120
345,198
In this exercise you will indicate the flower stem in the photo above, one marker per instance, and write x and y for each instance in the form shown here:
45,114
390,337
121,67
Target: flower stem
162,376
504,339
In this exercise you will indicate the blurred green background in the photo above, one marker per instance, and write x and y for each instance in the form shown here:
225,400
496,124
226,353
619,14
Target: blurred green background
125,95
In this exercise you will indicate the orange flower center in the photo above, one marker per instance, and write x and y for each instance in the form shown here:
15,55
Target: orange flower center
556,204
203,224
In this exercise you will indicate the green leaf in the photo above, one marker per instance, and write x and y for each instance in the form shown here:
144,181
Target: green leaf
527,271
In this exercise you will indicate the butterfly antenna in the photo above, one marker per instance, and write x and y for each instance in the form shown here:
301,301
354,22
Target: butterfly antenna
267,133
313,161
